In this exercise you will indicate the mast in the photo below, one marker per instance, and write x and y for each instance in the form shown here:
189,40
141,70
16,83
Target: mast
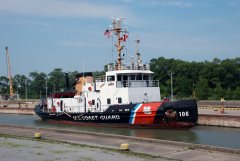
117,29
138,55
9,73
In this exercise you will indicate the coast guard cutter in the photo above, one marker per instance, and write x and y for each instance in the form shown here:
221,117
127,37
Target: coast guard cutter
126,97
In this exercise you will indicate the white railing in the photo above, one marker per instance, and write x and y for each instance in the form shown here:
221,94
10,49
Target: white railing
137,83
128,67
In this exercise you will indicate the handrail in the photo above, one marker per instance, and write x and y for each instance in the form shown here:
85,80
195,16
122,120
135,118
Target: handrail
137,83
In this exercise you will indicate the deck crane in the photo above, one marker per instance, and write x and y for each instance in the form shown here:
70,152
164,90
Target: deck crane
9,73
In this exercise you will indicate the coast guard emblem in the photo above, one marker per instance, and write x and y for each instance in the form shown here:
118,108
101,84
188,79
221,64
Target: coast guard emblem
147,110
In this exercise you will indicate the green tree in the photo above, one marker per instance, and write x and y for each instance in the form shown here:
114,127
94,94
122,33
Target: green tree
218,92
4,85
236,94
19,82
202,89
212,79
37,84
56,80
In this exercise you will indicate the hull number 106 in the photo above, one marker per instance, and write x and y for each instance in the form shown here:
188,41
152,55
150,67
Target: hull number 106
183,114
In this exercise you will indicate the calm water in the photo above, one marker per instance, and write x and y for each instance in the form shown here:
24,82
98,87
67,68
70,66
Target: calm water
218,136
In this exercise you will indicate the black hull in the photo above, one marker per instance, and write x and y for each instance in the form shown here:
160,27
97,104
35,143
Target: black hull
173,114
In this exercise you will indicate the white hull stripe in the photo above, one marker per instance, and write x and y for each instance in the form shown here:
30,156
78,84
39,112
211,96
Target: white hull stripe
133,113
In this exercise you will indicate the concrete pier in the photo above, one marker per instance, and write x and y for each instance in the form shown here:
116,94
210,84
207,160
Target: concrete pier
157,149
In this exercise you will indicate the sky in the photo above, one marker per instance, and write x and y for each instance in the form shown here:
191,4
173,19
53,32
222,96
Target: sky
42,35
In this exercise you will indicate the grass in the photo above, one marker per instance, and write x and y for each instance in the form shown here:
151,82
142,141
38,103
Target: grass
37,147
85,159
103,149
59,151
10,144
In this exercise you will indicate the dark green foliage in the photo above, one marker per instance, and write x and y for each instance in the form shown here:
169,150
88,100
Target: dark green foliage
202,89
35,86
4,87
209,79
38,82
56,80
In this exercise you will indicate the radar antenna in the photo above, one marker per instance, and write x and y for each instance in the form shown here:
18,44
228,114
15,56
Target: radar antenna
138,55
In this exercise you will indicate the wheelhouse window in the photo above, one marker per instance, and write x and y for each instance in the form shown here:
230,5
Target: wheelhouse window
132,77
145,77
125,77
119,77
139,77
110,78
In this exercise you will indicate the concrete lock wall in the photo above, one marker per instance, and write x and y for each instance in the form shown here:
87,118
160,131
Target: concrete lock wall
219,120
25,111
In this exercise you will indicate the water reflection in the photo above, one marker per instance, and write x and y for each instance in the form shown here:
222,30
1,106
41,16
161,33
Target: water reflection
218,136
166,134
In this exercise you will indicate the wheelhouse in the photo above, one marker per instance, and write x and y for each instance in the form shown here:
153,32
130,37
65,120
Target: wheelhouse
131,79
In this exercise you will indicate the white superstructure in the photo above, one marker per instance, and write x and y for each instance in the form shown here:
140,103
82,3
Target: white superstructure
122,84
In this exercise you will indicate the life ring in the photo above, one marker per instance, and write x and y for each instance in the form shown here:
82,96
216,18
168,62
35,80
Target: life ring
90,103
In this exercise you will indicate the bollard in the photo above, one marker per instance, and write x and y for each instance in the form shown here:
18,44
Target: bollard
37,135
124,147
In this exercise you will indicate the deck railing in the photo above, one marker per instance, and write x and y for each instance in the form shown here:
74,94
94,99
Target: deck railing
137,83
128,67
